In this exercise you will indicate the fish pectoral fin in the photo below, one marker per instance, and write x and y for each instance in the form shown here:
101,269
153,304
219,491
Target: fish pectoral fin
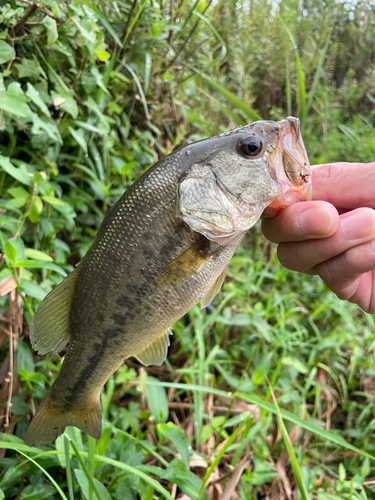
214,290
156,352
49,422
50,325
185,266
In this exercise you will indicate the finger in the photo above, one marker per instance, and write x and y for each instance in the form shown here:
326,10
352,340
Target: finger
348,275
301,221
356,227
364,294
345,185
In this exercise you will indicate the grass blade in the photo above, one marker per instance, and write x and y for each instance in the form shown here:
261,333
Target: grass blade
290,450
301,87
68,468
148,65
288,88
91,462
246,110
85,470
133,21
318,72
287,415
60,491
301,93
223,51
219,456
101,459
224,109
104,22
140,89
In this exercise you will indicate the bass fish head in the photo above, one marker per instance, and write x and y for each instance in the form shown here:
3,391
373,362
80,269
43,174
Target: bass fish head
234,176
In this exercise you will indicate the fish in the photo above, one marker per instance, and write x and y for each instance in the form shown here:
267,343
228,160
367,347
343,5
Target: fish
163,247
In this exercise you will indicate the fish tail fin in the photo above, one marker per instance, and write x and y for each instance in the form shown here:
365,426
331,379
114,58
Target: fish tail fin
49,422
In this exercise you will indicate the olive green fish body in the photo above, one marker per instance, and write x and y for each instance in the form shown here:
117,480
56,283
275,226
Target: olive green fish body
122,301
163,247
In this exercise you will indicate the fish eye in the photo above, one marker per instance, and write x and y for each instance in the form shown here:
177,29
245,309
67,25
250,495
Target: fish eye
250,146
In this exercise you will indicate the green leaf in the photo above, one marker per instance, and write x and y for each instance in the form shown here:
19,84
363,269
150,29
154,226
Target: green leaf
85,28
6,52
34,264
25,360
14,101
38,492
32,253
102,55
52,34
240,319
34,95
20,174
52,200
33,290
30,68
79,136
84,484
175,470
88,126
295,363
10,252
19,407
43,124
36,209
157,400
20,197
105,23
2,495
262,369
65,101
177,437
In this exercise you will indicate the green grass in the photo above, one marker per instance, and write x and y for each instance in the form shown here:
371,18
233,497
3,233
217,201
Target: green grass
216,398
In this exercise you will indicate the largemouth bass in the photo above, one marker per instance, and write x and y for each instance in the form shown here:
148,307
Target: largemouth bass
162,248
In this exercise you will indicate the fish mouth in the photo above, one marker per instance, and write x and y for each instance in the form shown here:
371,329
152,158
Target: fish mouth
290,165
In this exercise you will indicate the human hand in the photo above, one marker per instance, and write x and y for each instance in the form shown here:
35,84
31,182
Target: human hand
333,236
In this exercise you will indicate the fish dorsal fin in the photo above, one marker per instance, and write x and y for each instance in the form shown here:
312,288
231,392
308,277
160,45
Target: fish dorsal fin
156,352
214,290
50,326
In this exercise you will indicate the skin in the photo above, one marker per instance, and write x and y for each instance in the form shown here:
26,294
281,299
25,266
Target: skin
334,235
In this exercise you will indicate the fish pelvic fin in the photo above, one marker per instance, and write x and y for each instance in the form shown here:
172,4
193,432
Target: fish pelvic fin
156,352
49,422
50,325
214,290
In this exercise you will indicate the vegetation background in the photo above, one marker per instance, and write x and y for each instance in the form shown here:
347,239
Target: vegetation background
269,394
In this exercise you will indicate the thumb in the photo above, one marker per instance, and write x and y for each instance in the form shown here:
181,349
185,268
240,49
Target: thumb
345,185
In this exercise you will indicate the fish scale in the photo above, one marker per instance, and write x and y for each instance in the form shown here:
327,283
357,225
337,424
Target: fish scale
163,247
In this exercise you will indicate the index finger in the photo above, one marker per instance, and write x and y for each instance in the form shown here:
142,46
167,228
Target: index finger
345,185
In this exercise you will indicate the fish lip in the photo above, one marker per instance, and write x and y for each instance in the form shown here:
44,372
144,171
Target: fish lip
291,164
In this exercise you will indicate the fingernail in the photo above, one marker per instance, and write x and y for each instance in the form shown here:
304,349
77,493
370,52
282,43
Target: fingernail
315,221
358,224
